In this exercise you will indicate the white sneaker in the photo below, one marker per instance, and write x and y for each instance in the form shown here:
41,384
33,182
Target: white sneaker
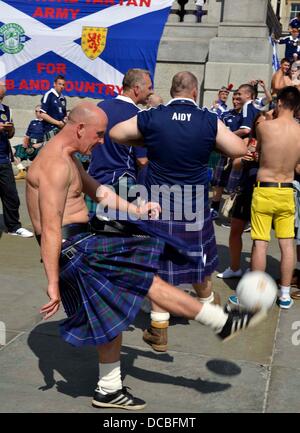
229,273
24,233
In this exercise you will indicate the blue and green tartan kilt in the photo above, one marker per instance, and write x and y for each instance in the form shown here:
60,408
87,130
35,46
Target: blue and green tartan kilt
20,152
174,268
91,204
222,172
103,284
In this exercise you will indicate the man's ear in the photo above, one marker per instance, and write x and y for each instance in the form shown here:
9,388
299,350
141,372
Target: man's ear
80,129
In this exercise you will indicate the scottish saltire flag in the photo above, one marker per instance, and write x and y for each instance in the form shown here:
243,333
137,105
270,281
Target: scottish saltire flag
91,42
275,58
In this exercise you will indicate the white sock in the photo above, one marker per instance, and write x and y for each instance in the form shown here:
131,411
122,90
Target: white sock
159,317
110,378
20,166
213,316
209,299
285,291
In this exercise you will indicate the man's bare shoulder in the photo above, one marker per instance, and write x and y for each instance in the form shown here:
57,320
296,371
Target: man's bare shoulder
274,124
52,169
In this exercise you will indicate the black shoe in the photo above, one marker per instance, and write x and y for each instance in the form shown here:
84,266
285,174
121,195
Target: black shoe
239,320
120,399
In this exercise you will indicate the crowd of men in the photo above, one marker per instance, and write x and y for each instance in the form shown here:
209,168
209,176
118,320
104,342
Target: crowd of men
100,263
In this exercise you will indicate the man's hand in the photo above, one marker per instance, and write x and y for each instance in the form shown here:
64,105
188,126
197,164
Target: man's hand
61,124
151,209
51,307
8,126
262,83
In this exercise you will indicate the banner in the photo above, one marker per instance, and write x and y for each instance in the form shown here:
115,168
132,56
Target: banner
90,42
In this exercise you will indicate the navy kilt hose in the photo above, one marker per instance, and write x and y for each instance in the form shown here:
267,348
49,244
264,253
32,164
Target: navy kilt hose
103,281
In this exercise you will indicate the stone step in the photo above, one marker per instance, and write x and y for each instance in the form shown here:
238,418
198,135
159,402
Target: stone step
190,30
190,50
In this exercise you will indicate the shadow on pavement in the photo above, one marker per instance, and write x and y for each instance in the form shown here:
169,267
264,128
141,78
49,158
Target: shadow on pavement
273,265
79,369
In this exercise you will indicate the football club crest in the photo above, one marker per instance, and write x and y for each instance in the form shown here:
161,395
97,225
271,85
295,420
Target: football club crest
12,38
93,41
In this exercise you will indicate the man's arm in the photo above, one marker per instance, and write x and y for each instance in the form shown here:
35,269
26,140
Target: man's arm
107,197
242,132
53,189
127,133
228,143
59,123
267,92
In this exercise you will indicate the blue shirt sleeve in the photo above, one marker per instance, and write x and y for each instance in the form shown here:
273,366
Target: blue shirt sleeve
29,129
45,105
249,113
283,41
144,120
140,152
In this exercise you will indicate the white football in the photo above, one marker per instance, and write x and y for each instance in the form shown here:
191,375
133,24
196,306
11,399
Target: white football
256,290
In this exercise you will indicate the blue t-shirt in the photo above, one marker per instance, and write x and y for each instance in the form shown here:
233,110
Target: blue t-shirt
222,108
110,160
179,138
291,47
55,106
35,130
249,113
5,116
232,119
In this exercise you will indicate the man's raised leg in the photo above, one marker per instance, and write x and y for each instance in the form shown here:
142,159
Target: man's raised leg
180,303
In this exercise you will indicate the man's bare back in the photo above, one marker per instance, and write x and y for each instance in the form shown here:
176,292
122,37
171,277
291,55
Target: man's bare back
54,158
279,145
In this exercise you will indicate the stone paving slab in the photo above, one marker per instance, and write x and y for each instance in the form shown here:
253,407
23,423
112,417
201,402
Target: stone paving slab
41,373
258,371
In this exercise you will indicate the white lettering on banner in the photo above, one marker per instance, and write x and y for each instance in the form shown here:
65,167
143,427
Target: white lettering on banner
183,117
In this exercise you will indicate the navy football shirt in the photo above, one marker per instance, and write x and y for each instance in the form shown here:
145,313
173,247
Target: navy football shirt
179,138
111,160
55,106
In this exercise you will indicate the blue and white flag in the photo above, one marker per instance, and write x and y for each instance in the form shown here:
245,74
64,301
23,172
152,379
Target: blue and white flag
275,58
91,42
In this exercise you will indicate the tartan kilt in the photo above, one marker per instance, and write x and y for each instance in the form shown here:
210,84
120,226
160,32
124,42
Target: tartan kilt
221,172
174,268
91,204
213,159
103,285
20,152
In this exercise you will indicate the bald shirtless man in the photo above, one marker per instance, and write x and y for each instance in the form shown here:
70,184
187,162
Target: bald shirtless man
101,279
273,198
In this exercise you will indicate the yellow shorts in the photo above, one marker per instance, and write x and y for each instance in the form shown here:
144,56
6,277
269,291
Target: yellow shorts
272,204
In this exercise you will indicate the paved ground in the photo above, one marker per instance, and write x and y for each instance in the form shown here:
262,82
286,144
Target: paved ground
257,372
